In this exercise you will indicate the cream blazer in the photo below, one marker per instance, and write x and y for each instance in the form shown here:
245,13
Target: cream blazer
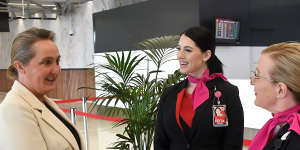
27,124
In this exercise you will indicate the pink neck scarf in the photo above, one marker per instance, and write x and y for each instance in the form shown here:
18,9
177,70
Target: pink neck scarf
201,93
290,116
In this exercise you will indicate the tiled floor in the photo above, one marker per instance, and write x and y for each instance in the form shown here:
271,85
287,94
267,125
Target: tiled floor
101,134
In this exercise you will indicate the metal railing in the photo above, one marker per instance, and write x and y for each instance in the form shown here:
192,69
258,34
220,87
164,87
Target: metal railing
73,119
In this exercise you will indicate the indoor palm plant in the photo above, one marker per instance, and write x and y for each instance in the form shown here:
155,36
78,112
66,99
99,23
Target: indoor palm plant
139,93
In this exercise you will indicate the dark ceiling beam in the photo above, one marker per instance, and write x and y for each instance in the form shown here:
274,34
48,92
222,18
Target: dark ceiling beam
81,1
62,7
36,3
28,10
3,3
66,7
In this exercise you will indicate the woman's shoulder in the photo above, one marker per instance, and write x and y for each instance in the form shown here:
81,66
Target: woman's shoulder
293,140
173,90
177,86
287,140
295,136
14,97
13,106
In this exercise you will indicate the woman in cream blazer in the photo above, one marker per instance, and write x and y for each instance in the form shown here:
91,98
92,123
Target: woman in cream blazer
27,124
28,119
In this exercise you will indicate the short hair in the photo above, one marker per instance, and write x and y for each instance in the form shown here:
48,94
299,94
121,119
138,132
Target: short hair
205,40
286,56
21,48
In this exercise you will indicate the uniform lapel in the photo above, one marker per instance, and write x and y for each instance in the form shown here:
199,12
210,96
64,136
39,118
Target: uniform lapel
45,114
206,110
56,124
178,106
69,134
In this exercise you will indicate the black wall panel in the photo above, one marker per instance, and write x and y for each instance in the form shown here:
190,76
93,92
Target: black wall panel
262,22
233,9
4,26
122,28
273,21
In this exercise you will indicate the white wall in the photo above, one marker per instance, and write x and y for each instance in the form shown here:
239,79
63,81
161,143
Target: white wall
238,61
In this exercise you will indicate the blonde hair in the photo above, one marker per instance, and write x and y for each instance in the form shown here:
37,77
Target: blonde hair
286,56
21,48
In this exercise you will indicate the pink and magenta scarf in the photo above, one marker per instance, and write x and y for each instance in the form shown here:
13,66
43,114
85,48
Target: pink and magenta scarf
201,93
290,116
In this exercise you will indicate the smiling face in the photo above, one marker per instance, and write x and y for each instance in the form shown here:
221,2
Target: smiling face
218,112
191,60
40,74
264,88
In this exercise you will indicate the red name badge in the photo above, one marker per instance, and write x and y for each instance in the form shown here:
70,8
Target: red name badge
219,116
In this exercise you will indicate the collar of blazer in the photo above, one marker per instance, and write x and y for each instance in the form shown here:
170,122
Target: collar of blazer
45,114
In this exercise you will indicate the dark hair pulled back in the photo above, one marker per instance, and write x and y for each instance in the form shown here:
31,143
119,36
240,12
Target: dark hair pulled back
205,40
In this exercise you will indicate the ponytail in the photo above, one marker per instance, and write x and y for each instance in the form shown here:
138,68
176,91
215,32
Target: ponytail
12,72
214,65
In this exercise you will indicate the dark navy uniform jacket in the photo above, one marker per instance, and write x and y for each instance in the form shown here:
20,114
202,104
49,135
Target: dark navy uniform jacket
203,135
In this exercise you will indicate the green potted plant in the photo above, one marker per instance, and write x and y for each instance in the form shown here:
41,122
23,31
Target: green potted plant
139,93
